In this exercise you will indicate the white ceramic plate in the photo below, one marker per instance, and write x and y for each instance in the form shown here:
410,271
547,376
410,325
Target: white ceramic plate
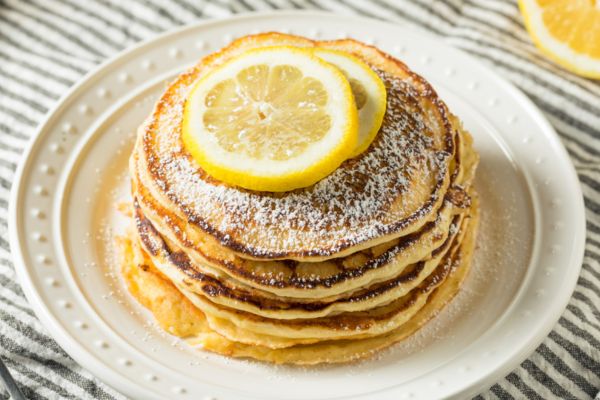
527,262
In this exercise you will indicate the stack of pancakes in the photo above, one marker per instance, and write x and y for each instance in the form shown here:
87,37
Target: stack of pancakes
324,274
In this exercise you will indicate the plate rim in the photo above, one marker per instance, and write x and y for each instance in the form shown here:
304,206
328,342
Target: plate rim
126,385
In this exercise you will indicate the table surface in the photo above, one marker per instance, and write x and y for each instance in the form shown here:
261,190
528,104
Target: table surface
47,46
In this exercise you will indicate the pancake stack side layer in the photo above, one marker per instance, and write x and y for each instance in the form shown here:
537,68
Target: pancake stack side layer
330,273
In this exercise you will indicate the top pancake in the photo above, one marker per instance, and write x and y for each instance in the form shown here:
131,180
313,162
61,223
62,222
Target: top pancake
391,190
307,280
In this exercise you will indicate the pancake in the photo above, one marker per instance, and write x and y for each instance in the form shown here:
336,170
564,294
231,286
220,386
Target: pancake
175,264
391,190
176,314
245,327
326,279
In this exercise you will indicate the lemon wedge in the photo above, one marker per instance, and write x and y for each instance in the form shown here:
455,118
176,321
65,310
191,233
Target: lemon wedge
271,119
567,31
369,93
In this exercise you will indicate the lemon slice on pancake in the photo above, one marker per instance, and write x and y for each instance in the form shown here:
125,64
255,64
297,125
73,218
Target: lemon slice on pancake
271,119
368,90
567,31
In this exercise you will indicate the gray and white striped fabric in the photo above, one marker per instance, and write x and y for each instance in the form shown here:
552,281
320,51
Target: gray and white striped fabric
46,46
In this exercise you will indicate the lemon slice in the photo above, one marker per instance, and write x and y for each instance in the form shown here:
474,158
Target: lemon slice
567,31
272,119
368,90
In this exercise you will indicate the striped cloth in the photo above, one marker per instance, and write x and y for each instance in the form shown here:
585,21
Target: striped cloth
46,46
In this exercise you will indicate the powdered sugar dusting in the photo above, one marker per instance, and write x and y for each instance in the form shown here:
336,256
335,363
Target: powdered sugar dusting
384,190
